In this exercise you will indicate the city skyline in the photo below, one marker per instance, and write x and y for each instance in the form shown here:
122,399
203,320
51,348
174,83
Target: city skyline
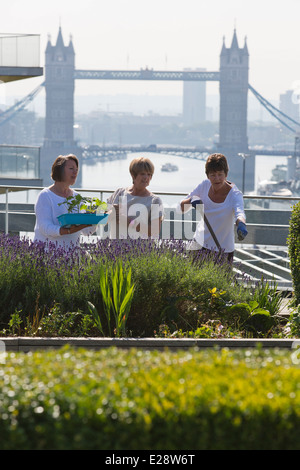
164,35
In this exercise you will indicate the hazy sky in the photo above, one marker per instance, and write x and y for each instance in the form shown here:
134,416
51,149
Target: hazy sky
164,34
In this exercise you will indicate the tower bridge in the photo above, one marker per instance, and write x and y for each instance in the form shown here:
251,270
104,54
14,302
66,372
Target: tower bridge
61,74
233,73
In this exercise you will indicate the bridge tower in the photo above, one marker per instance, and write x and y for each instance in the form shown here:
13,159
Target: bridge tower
233,139
59,87
234,71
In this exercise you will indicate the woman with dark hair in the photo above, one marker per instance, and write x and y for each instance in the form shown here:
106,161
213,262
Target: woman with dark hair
48,205
223,208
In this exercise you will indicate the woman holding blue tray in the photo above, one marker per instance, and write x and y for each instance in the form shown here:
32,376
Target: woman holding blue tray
49,206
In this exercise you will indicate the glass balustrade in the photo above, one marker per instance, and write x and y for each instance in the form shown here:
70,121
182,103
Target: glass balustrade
19,50
19,162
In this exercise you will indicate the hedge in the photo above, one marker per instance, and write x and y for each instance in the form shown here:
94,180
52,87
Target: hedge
140,400
293,242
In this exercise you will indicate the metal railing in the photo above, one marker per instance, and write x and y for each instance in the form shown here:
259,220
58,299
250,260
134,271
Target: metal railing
7,189
263,254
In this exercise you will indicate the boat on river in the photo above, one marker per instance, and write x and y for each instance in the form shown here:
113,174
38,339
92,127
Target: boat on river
169,167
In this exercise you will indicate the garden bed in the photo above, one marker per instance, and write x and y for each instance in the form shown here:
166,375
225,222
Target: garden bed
133,289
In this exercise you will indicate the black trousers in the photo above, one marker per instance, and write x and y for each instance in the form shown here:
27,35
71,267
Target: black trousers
216,254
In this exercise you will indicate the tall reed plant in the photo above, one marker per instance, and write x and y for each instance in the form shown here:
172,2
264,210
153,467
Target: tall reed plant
117,291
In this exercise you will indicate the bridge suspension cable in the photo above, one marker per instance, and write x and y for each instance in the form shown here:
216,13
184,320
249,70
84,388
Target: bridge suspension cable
273,110
19,105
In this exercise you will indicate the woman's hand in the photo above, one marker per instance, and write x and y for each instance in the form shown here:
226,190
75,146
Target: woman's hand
185,203
242,231
72,229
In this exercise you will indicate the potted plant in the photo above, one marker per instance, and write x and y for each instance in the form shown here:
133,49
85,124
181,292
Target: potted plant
83,210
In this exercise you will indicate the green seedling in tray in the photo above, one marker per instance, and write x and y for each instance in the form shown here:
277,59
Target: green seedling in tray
79,203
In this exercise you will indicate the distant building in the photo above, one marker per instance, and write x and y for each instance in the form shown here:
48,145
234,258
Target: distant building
194,101
287,106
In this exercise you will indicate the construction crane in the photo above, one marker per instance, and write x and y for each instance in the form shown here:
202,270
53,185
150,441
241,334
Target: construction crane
9,113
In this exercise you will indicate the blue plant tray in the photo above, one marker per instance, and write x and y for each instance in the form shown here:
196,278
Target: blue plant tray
78,219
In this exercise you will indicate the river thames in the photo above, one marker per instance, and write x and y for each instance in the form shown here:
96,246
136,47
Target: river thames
111,175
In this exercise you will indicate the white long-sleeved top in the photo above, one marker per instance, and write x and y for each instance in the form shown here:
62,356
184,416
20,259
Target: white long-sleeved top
221,216
47,226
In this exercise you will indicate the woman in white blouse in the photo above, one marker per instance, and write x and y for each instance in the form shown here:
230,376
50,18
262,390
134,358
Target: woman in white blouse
47,208
223,207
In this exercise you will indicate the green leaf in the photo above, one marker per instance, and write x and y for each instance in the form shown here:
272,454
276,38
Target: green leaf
126,303
240,306
260,311
95,316
253,304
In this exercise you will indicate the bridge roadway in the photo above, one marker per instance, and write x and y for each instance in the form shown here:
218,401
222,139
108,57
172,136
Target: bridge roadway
199,153
146,74
94,151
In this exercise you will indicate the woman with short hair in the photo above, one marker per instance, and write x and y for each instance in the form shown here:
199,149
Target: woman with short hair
223,207
135,211
49,205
